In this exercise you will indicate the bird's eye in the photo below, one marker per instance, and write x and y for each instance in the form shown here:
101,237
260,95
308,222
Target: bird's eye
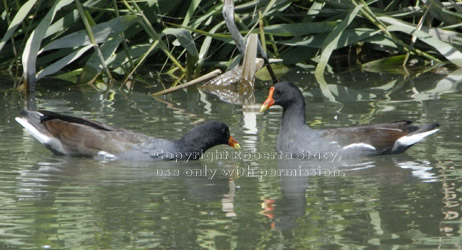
224,131
278,93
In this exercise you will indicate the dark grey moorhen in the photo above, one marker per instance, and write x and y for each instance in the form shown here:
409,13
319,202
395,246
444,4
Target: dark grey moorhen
295,137
72,136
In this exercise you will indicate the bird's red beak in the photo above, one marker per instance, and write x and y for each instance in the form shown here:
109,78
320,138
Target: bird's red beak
269,101
233,143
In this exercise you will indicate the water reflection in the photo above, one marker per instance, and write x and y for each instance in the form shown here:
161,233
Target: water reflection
77,198
311,190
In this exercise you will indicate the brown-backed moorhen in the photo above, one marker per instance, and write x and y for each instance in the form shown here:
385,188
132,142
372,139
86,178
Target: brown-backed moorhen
296,138
72,136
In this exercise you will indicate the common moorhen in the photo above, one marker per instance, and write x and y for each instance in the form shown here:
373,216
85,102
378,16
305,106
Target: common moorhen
296,138
72,136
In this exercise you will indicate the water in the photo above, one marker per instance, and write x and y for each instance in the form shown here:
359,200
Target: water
239,199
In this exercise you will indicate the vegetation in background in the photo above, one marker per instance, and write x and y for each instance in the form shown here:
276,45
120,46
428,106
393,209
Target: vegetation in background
81,41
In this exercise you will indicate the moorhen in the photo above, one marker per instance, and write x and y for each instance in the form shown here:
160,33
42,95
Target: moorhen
72,136
296,138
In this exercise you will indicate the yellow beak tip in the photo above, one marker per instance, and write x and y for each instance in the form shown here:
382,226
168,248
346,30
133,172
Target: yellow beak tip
263,108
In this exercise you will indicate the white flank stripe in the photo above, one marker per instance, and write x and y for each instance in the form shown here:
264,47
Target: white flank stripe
31,129
359,145
105,155
409,140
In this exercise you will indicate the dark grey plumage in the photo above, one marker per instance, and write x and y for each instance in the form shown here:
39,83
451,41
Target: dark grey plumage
72,136
297,138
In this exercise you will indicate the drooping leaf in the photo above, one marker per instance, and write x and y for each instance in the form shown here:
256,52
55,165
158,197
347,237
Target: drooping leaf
32,47
101,31
185,39
17,20
63,62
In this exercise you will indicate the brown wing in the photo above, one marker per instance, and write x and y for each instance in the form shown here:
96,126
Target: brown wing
78,139
380,136
75,138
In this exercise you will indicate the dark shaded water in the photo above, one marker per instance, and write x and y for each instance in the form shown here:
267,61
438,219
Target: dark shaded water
239,199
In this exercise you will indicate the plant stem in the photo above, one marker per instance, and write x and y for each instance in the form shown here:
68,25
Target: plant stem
93,40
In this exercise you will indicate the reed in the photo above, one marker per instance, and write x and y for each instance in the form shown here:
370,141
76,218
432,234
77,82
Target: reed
82,41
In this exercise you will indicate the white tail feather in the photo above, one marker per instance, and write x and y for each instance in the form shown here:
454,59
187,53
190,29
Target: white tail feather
412,139
41,137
